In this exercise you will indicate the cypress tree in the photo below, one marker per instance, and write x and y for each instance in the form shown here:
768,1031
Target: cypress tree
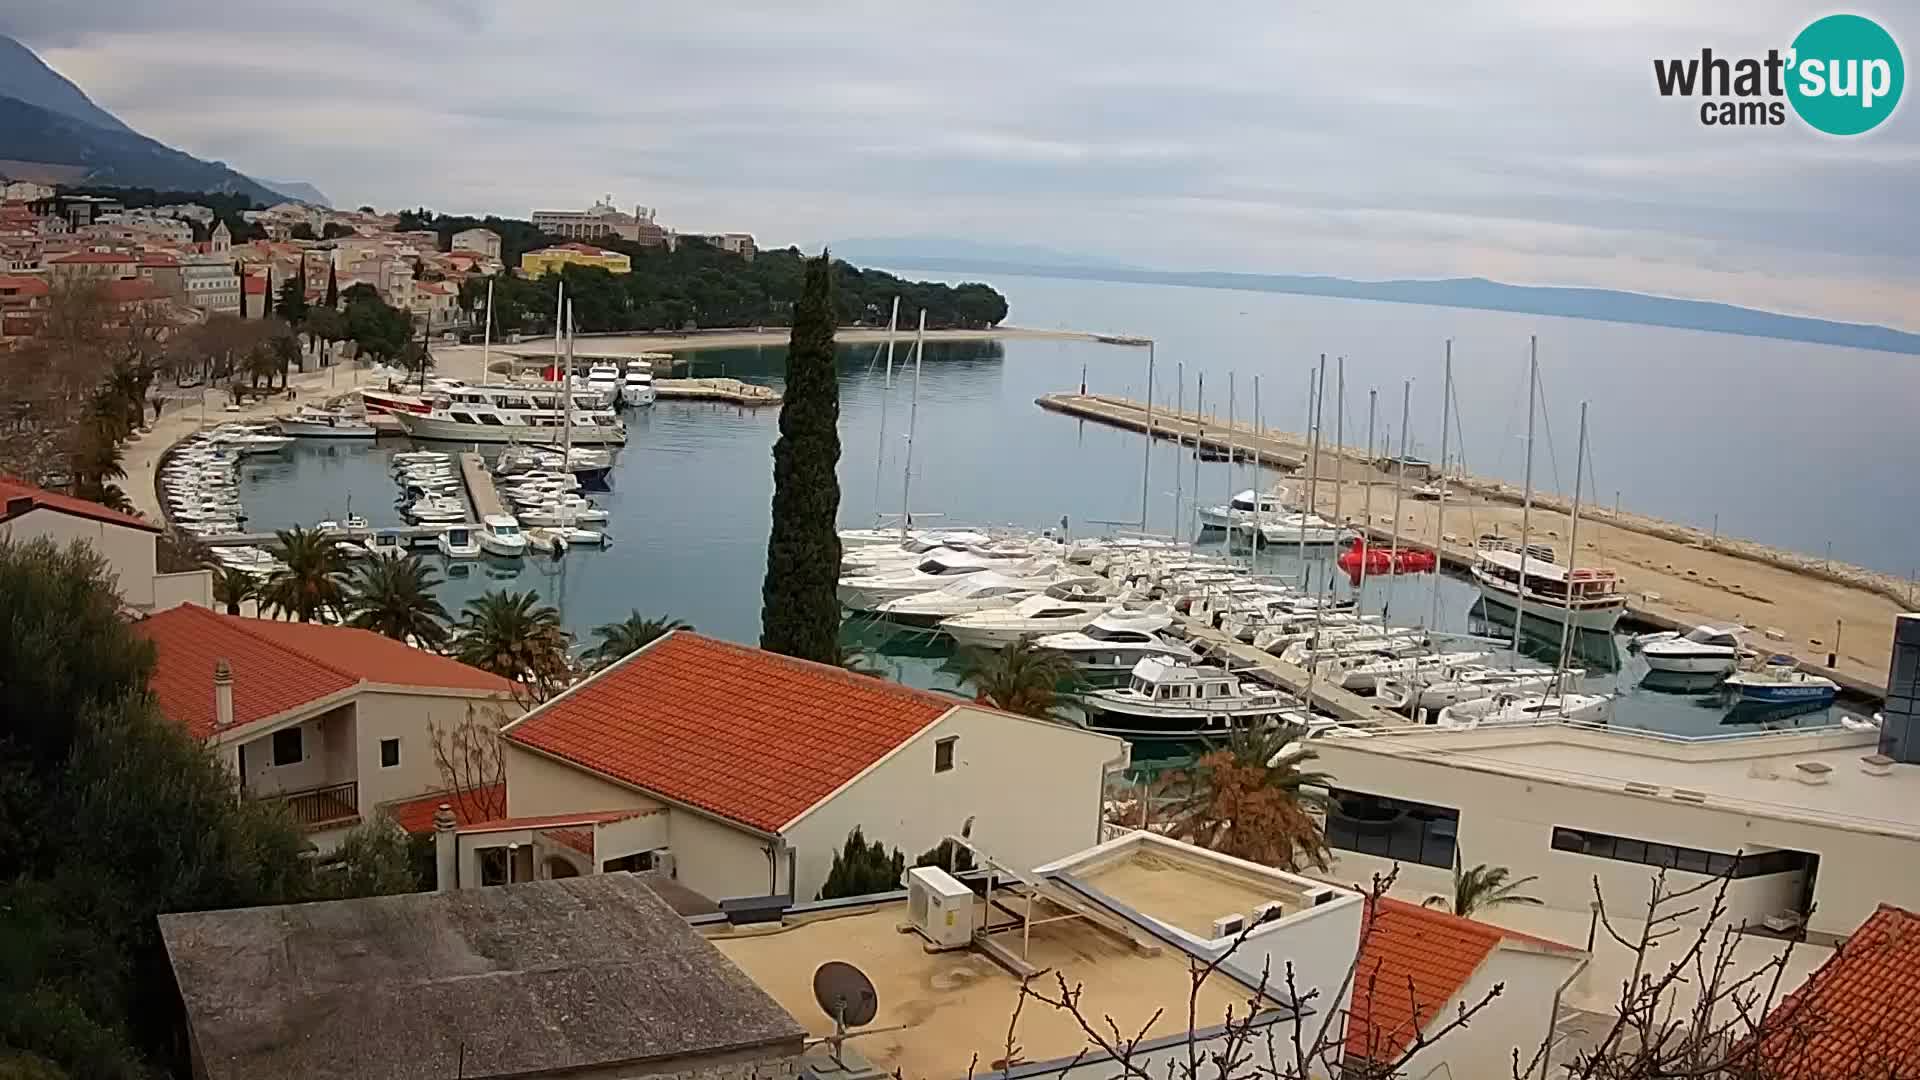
266,295
333,288
241,273
799,610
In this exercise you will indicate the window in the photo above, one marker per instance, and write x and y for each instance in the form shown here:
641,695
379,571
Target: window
943,754
1674,857
639,861
287,748
389,753
1397,829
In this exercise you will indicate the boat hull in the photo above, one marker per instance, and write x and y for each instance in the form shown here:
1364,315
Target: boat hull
1602,618
996,637
1688,664
1189,727
1785,693
427,427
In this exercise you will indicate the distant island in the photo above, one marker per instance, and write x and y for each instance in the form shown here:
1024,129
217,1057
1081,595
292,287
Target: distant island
1606,304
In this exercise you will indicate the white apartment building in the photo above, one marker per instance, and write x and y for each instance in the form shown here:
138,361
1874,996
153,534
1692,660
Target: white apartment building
600,220
479,241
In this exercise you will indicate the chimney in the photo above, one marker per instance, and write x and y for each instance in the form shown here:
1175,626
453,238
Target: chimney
222,695
446,851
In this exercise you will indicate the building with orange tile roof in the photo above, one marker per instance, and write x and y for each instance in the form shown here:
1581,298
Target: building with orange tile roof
761,764
1859,1015
126,542
1419,966
332,720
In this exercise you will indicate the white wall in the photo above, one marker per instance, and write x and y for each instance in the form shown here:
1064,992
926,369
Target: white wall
1320,944
718,860
408,717
186,587
1508,821
128,551
1520,1017
538,785
1033,789
322,762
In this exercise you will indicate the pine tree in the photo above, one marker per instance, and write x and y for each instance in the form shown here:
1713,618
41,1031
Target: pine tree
333,289
799,610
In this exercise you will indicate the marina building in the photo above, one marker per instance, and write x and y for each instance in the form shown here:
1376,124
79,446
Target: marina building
739,773
551,259
332,721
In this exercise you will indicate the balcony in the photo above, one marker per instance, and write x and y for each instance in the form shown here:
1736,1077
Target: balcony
323,807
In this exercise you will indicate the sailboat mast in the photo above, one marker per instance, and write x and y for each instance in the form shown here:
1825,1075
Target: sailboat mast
880,454
1259,484
1146,460
913,421
1231,523
1339,443
1316,386
1440,515
1319,610
1573,557
1199,430
1399,489
567,395
1179,439
1526,502
486,340
1366,515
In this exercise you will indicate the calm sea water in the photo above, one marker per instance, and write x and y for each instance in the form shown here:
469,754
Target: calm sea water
1792,444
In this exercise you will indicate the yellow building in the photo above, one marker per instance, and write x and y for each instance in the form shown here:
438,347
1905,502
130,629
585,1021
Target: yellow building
548,260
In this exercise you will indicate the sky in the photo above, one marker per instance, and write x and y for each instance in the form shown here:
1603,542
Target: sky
1513,139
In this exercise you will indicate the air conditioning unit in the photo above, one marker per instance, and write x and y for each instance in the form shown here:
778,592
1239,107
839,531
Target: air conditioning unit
663,862
1228,925
939,908
1320,894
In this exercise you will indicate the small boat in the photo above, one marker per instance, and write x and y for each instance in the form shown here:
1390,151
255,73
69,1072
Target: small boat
1245,508
312,423
557,513
242,441
1425,491
1527,709
546,541
1173,700
1310,529
432,511
1703,649
387,544
636,386
1588,598
500,535
1423,690
1779,682
458,542
1365,674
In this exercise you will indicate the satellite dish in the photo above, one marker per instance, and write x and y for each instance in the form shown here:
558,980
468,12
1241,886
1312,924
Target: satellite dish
845,994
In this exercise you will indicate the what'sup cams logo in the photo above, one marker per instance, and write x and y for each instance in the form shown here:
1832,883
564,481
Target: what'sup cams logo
1842,75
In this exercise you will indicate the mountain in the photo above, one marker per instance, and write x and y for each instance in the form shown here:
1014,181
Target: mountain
25,77
300,191
1609,305
46,119
117,157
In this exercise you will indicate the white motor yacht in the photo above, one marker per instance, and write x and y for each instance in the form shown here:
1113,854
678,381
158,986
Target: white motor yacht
636,385
432,511
1525,709
1362,674
1292,528
387,544
1701,650
1424,690
865,592
1118,640
1170,700
312,423
557,513
988,591
1246,508
603,379
458,542
457,412
1588,598
500,535
1032,617
247,441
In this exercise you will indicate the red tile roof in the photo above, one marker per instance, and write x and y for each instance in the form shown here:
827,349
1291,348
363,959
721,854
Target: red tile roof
1402,943
548,821
746,735
254,285
99,257
131,291
279,666
23,285
41,499
416,815
1859,1015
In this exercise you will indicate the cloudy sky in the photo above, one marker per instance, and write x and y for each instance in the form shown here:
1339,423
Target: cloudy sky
1510,138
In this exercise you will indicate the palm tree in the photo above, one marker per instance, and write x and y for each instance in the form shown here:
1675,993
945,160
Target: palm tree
1481,886
1252,798
394,598
516,637
311,585
234,587
619,640
1021,678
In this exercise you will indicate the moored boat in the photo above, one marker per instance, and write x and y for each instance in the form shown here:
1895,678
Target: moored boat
1172,700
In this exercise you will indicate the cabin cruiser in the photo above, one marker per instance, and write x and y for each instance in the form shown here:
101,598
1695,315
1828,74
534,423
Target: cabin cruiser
252,560
977,592
1427,689
1780,682
386,544
245,439
1588,598
636,385
1119,639
1310,529
603,379
1302,645
1168,699
560,512
866,592
500,535
458,412
1703,649
458,542
437,511
1245,508
312,423
1507,708
1050,612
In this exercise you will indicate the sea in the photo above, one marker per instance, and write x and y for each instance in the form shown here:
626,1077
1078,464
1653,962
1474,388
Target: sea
1797,445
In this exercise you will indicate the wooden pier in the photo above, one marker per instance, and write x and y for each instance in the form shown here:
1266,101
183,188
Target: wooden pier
1248,445
730,391
482,497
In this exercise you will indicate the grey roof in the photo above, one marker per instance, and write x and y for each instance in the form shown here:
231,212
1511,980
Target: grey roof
493,982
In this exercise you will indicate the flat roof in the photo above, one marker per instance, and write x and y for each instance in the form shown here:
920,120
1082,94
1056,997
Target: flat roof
1183,893
954,1005
1756,775
583,973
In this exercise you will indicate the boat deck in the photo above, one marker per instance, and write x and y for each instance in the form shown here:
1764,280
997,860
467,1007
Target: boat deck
1342,704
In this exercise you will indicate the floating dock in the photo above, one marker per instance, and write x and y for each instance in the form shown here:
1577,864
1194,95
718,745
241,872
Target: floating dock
731,391
482,497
